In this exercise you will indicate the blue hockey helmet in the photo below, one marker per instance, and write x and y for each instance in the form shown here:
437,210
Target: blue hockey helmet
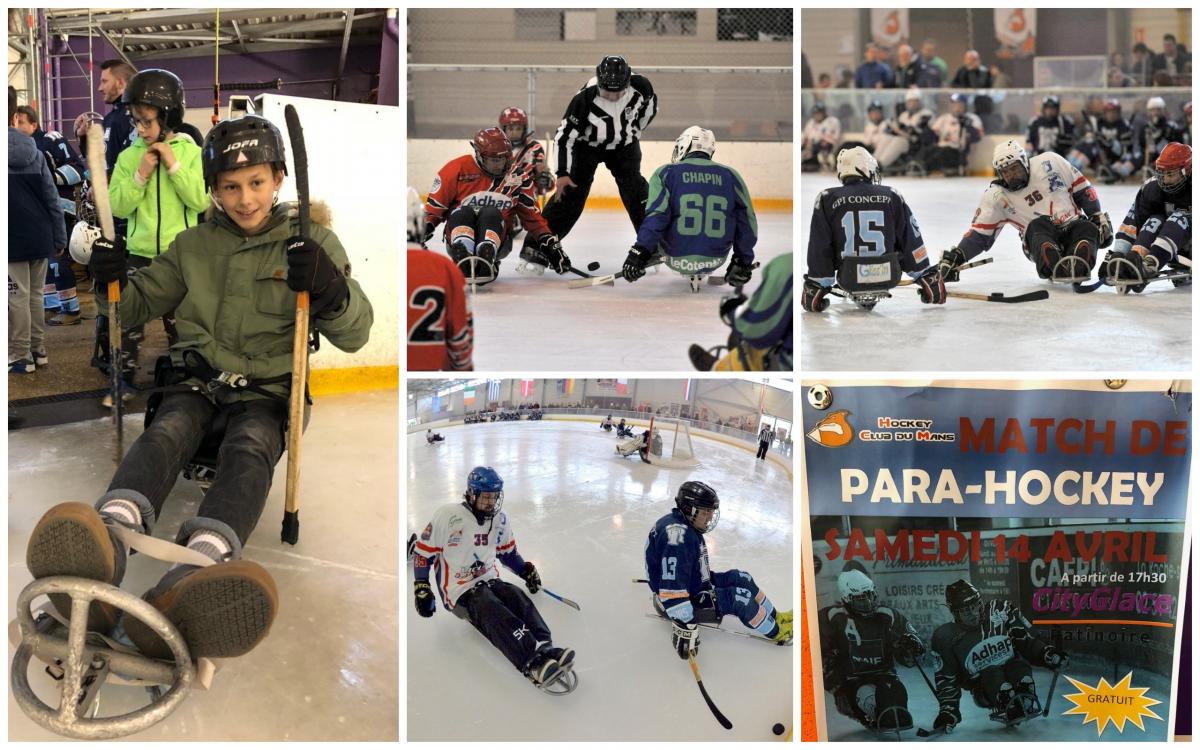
483,479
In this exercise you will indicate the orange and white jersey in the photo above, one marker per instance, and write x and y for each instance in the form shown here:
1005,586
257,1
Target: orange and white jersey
462,183
530,156
462,551
1053,183
441,333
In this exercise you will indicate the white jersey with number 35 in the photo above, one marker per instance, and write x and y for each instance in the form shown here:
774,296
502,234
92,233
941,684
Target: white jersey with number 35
1052,182
463,552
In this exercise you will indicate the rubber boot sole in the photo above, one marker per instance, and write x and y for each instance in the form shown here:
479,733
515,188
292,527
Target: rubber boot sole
72,540
222,611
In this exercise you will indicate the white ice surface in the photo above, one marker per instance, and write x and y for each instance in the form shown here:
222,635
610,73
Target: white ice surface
976,727
1069,331
582,513
538,323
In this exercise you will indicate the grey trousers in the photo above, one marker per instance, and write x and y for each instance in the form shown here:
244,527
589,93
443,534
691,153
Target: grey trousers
26,319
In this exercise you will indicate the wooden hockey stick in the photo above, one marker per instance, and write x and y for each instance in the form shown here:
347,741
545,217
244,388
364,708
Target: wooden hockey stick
609,280
291,512
716,712
97,167
1034,296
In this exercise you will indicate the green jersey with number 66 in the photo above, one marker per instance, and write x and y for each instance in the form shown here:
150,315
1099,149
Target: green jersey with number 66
696,211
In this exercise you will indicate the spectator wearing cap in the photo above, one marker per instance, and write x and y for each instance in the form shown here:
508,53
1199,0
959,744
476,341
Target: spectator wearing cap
973,74
873,73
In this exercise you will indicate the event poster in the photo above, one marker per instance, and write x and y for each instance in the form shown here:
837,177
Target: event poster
995,561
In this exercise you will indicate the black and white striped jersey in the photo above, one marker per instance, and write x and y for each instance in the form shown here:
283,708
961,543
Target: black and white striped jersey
591,120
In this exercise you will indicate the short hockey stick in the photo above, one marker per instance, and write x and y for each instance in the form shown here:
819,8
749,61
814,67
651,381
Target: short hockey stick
963,267
716,712
562,599
290,532
608,280
97,167
1050,694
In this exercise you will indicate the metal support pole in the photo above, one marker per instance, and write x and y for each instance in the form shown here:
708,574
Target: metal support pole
531,98
337,84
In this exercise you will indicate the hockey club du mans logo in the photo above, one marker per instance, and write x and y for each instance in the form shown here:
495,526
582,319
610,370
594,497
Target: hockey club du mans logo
834,431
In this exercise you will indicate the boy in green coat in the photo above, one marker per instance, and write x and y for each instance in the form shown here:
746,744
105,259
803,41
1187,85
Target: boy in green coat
233,281
157,184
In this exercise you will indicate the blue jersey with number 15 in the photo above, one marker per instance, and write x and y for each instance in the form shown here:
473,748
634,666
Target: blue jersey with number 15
696,209
862,219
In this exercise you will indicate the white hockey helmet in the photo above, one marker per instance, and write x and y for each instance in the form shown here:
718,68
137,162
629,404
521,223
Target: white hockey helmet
1005,155
80,245
857,591
695,138
1156,102
416,216
857,162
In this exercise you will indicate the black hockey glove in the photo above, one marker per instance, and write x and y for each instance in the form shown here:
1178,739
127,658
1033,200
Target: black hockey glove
931,286
1054,658
685,638
108,261
1105,226
423,594
815,297
551,250
635,263
311,270
947,720
951,260
908,649
533,581
738,273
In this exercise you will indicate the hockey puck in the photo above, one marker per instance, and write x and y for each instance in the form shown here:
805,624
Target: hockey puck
593,266
777,729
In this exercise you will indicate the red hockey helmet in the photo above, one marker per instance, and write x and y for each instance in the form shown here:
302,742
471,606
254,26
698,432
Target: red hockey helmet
493,152
515,116
1173,167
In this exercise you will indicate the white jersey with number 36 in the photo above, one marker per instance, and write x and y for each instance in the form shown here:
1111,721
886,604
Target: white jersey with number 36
1052,183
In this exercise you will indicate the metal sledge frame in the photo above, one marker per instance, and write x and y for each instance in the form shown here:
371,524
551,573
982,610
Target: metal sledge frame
87,665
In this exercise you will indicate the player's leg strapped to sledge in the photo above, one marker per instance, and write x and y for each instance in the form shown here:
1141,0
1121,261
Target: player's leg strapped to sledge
878,702
1008,691
507,617
1159,243
473,239
1062,253
739,595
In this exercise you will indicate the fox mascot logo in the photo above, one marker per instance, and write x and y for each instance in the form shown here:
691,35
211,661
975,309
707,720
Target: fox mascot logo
833,431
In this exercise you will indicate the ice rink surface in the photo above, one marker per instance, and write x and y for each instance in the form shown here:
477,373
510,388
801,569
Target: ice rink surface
538,323
976,727
581,513
1069,331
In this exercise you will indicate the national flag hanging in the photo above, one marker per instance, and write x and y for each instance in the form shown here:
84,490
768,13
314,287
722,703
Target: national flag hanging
493,390
687,389
526,388
469,396
622,387
437,404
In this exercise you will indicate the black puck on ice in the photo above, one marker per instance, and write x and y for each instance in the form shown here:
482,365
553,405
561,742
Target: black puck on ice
777,729
593,266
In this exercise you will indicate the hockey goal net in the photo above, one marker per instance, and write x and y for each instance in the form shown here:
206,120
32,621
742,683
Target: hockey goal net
671,443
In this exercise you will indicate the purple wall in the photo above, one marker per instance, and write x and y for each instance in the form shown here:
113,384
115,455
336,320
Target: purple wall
389,64
358,77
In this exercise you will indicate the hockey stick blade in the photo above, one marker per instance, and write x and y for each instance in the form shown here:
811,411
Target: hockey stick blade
609,280
562,599
1033,296
716,712
923,732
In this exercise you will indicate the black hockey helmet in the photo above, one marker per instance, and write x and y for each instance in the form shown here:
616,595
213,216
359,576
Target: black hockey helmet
964,603
158,88
244,142
875,104
613,73
693,497
1051,100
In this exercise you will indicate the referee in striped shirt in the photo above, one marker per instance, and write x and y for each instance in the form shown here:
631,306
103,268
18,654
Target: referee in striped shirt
602,125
